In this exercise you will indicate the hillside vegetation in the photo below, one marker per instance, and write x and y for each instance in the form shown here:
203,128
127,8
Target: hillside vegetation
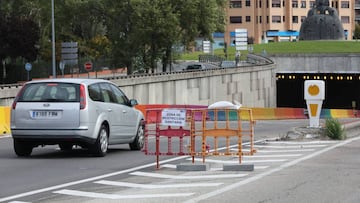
307,47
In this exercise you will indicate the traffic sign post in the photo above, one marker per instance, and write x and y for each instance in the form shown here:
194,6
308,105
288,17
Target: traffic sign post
62,67
28,68
241,39
69,54
88,67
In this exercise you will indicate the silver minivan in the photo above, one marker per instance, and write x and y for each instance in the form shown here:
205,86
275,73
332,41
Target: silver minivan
91,113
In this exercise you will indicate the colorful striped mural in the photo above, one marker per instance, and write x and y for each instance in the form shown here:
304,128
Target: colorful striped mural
257,113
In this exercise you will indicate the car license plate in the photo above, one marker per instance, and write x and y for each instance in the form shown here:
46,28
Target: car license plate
45,114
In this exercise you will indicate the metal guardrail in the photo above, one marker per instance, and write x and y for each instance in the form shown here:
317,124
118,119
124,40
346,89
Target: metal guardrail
252,59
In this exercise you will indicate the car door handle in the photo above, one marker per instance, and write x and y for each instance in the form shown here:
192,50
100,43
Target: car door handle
109,110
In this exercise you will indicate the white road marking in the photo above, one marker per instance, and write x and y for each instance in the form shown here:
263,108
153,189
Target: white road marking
273,156
273,151
268,172
168,166
302,143
18,202
5,136
173,166
115,196
153,186
237,161
284,151
178,177
289,147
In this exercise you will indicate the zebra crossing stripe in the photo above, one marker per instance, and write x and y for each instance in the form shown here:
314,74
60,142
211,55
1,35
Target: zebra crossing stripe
276,151
173,166
237,161
284,151
17,201
180,177
116,196
303,143
289,147
273,156
153,186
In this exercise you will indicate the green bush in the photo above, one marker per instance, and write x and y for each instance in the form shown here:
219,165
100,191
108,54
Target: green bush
334,129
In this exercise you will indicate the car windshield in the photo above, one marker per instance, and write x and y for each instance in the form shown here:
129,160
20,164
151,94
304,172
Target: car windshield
52,91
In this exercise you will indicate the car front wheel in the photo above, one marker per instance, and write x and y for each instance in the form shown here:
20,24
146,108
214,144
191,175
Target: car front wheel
101,145
21,148
138,142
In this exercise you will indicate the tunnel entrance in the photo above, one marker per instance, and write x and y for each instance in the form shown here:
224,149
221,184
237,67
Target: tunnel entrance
341,89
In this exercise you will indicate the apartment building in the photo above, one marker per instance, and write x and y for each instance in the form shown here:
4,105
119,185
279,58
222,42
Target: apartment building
357,11
280,20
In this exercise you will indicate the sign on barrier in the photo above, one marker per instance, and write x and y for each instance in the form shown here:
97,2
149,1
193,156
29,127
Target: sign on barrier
173,117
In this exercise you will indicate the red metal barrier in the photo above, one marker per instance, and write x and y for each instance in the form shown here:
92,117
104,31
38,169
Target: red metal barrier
172,134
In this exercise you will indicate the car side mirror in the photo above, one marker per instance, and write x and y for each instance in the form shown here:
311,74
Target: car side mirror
133,102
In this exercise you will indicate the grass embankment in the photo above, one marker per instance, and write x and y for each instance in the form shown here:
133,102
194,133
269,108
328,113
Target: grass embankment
307,47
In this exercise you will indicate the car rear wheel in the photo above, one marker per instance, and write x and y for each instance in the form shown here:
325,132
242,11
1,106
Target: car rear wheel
22,148
138,142
101,145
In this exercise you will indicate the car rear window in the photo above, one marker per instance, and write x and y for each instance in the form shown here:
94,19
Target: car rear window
193,67
50,92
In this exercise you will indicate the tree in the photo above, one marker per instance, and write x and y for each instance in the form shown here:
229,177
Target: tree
357,32
19,34
149,29
142,32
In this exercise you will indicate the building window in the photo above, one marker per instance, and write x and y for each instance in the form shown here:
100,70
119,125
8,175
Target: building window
276,19
260,19
345,4
302,18
235,4
345,19
247,3
260,3
248,18
295,3
275,4
235,19
267,19
312,4
303,4
295,19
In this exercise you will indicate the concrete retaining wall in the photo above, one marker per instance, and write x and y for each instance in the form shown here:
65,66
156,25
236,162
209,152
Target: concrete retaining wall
253,86
317,63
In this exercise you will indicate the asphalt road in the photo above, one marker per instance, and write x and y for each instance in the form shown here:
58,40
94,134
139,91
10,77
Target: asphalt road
36,178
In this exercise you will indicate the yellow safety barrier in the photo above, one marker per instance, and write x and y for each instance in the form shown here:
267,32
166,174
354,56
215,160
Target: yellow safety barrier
4,120
214,125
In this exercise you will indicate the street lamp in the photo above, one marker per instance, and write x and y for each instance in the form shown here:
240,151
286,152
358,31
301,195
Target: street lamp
53,39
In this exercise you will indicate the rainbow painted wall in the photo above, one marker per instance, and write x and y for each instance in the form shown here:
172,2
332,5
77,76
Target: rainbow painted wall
257,113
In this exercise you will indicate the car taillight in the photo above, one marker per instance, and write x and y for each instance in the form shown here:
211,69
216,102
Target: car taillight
13,106
82,97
